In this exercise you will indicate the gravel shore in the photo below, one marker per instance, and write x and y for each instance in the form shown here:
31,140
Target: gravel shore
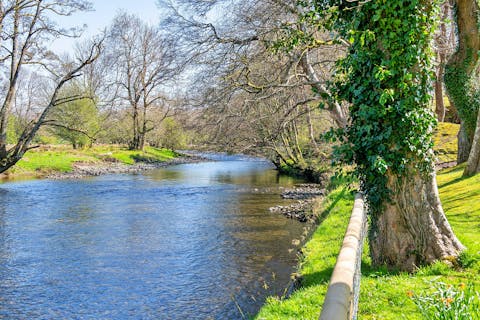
82,170
302,209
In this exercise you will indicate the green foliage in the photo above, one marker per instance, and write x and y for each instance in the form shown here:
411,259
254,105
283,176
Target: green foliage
79,121
463,88
12,132
386,294
448,302
172,135
386,78
466,259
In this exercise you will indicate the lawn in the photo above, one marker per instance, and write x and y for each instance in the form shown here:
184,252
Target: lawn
320,254
47,159
384,294
445,140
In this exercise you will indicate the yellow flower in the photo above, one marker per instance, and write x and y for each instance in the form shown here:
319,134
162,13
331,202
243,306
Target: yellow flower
410,293
448,301
462,286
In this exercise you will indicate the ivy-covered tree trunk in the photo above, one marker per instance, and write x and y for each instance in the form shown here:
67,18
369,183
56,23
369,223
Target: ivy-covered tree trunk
439,104
473,164
441,43
412,229
386,77
464,143
461,73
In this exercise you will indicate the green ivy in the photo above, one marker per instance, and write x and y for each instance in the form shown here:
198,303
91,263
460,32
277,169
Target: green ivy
463,89
386,78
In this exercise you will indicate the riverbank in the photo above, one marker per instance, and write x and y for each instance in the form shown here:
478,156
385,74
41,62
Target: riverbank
63,162
386,294
316,264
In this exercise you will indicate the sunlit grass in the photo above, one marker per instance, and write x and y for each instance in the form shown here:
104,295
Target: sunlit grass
320,254
60,158
445,141
386,294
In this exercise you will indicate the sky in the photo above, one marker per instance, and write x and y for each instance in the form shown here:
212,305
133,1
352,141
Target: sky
101,17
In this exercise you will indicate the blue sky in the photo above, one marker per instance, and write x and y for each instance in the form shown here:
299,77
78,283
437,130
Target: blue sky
101,17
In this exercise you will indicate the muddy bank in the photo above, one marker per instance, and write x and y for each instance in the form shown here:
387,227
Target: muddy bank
82,170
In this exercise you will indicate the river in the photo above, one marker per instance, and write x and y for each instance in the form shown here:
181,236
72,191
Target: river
192,241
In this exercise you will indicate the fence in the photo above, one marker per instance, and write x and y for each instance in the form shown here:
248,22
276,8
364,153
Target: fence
341,300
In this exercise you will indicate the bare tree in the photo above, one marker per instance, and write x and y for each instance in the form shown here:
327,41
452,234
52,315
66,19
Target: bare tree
143,64
260,91
25,25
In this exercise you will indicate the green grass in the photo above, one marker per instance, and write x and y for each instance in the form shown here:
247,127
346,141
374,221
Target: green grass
384,293
445,141
149,154
61,158
46,160
320,254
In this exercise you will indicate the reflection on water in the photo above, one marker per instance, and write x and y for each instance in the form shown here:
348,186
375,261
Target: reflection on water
189,241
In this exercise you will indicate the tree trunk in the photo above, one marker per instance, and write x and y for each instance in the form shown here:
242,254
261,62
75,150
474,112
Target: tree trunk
337,113
473,164
144,130
413,230
439,105
141,141
461,72
136,130
464,143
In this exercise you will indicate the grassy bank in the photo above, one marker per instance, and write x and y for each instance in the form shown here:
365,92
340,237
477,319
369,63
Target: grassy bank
59,158
384,294
320,254
445,140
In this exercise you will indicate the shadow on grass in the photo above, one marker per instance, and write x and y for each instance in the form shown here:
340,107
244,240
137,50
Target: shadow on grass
316,278
451,170
325,213
323,276
377,272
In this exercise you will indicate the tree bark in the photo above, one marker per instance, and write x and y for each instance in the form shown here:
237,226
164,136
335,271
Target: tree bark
464,143
413,229
136,129
461,72
141,141
439,105
473,164
338,114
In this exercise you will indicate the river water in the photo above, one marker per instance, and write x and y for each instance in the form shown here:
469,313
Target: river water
193,241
